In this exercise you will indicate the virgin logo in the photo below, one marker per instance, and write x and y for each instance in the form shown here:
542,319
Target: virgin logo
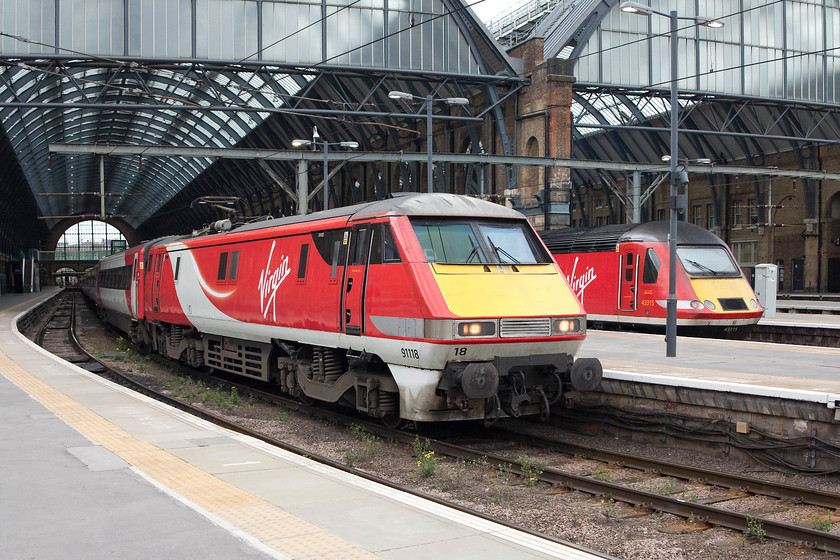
270,280
579,283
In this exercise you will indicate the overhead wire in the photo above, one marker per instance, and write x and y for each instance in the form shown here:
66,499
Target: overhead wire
434,17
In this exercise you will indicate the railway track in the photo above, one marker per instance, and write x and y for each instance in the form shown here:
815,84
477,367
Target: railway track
56,336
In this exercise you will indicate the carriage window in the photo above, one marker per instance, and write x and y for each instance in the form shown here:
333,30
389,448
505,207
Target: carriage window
222,266
304,254
234,265
177,267
651,271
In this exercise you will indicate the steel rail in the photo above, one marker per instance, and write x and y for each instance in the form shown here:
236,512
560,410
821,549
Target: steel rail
229,425
797,494
802,536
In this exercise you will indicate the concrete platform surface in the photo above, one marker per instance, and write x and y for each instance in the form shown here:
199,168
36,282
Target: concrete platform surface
89,469
808,373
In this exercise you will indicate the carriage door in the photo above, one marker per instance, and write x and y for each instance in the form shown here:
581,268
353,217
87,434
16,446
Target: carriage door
627,291
355,277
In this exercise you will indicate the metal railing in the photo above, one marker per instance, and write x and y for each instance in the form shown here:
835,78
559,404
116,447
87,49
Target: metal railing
62,256
509,21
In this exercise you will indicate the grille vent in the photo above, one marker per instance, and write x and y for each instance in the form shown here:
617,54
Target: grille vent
239,357
525,327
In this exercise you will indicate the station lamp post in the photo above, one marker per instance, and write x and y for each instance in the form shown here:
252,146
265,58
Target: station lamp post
671,309
429,100
316,141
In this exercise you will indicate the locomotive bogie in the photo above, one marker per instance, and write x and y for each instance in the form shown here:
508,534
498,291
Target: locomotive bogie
405,308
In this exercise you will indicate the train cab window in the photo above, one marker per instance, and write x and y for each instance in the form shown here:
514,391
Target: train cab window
304,255
651,271
708,261
384,247
449,243
223,258
478,242
508,243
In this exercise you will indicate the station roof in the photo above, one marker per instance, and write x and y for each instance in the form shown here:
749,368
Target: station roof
766,83
243,74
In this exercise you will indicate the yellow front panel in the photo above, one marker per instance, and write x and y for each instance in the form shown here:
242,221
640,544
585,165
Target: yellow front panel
714,288
499,291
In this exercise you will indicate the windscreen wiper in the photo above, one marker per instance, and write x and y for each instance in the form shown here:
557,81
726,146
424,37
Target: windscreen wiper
500,252
703,266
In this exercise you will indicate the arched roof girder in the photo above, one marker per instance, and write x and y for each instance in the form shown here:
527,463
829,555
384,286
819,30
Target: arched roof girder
155,97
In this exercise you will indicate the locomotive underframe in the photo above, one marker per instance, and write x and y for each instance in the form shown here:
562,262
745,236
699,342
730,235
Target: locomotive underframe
505,386
522,382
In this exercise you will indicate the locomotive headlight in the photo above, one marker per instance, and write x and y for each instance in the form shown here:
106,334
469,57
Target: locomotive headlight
568,325
476,328
753,303
709,304
696,304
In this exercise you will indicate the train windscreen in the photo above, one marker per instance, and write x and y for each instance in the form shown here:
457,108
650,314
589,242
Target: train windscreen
708,261
478,242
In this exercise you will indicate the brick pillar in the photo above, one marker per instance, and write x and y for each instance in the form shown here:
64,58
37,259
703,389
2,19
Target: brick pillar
811,279
544,130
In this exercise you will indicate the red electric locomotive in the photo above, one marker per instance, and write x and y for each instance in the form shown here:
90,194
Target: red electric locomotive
420,307
620,274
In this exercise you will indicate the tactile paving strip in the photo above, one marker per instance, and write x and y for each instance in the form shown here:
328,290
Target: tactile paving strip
274,527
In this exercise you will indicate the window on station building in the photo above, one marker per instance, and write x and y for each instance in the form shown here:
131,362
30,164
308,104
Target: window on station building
710,216
744,252
89,241
697,215
753,210
736,213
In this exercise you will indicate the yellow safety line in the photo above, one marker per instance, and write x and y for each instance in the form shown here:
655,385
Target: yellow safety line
271,525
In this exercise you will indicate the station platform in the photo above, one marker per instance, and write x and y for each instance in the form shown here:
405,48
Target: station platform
89,469
785,371
808,306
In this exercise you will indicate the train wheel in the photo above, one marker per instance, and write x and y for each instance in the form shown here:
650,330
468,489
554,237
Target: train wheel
392,421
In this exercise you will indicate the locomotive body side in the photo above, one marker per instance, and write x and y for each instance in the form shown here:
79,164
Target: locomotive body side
472,321
622,278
